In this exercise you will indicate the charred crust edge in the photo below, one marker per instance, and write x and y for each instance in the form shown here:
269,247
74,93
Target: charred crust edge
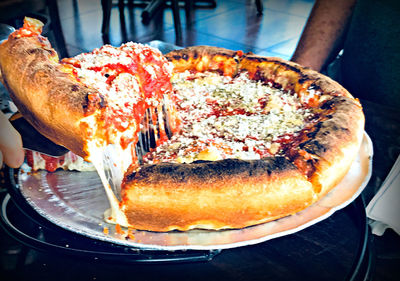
330,130
196,51
209,170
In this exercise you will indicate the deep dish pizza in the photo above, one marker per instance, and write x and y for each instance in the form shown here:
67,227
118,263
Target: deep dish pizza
206,137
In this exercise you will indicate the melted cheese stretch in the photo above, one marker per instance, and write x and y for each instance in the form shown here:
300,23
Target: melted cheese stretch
130,78
225,117
134,80
69,161
221,117
110,182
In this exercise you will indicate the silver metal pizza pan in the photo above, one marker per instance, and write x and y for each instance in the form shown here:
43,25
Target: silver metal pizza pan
76,201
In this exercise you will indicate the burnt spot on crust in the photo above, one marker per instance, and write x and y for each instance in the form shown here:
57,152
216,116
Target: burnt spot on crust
293,76
315,129
277,62
176,57
205,58
314,86
329,104
292,68
184,54
34,51
322,141
93,101
41,39
42,51
332,103
52,52
197,51
257,59
331,129
303,79
208,170
314,147
74,88
276,70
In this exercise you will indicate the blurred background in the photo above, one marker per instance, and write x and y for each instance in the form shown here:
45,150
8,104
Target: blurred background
269,27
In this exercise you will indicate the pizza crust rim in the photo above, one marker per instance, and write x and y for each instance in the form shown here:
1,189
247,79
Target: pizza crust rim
222,194
334,147
53,83
43,93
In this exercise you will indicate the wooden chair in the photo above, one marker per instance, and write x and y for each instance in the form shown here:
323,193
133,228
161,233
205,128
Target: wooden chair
147,14
153,6
149,11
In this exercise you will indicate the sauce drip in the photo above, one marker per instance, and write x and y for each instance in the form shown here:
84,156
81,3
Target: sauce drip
135,81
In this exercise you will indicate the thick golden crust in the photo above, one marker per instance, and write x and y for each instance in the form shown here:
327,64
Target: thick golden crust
214,194
205,58
334,142
289,75
236,193
50,99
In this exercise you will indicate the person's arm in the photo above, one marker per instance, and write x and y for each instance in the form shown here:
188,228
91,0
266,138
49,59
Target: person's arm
11,150
324,32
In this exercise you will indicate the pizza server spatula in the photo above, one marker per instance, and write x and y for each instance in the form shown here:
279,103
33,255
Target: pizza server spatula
33,140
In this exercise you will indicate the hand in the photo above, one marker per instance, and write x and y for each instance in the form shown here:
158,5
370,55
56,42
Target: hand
11,150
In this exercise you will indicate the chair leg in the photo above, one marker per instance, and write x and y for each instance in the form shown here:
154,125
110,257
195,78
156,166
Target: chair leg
57,28
121,8
151,9
211,3
177,21
106,6
189,5
259,7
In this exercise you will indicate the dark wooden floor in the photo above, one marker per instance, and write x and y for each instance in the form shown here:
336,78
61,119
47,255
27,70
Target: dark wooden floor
233,24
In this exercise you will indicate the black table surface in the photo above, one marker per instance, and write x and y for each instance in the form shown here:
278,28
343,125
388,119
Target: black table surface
332,249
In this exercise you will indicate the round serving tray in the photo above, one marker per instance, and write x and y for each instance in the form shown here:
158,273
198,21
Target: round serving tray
76,202
29,228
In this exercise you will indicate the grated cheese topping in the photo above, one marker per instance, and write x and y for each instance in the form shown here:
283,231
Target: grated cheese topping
126,76
224,117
